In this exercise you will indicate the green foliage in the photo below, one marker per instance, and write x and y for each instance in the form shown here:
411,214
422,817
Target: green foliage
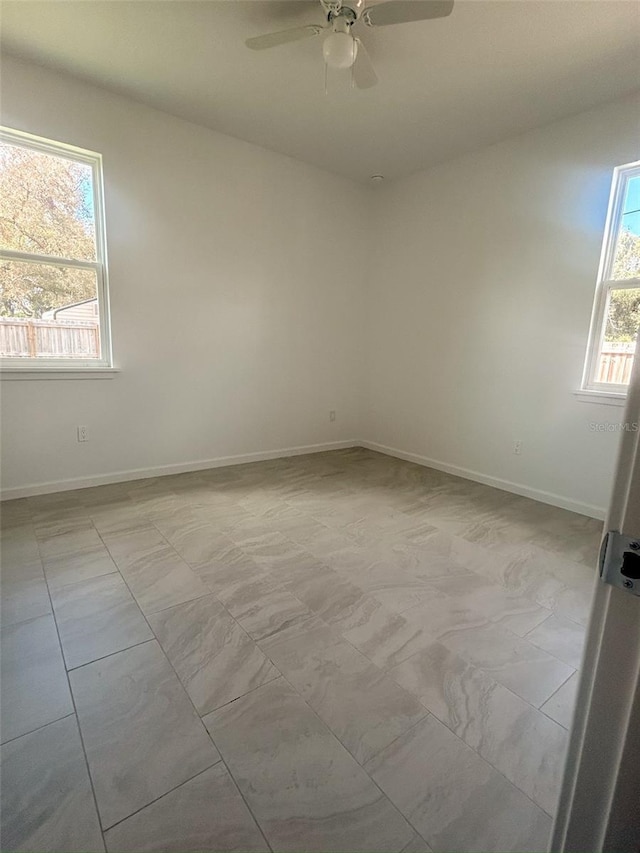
44,210
626,263
623,319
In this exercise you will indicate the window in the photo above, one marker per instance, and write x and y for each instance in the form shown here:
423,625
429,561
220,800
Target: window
616,313
53,283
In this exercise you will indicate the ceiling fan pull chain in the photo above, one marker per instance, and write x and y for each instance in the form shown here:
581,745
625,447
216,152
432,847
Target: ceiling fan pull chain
326,68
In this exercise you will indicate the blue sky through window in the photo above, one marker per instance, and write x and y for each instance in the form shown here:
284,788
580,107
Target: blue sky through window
631,208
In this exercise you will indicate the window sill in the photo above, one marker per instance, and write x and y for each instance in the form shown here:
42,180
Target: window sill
35,373
603,398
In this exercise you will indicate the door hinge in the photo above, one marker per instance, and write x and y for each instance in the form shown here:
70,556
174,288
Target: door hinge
620,561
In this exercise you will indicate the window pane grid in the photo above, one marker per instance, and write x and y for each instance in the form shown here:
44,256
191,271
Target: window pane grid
47,260
52,275
616,314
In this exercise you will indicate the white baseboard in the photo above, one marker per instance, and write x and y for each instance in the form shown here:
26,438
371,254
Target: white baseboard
164,470
281,453
497,482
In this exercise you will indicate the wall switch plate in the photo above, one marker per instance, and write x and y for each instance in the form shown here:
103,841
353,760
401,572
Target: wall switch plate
332,416
517,447
83,433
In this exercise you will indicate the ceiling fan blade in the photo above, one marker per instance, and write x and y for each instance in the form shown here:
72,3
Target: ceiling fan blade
364,74
405,11
283,36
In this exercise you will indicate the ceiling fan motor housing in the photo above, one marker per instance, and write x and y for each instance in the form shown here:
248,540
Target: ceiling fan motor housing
349,10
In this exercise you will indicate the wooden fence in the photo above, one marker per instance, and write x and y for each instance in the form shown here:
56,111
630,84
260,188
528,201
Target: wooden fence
48,339
615,363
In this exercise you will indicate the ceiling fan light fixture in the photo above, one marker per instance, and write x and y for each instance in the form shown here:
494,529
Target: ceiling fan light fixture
340,50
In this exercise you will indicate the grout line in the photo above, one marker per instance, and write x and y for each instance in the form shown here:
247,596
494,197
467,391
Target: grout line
244,799
111,654
75,711
576,671
546,619
160,797
290,500
361,766
198,716
33,731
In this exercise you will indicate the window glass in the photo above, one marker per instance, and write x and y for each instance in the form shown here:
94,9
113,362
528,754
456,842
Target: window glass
621,327
46,204
626,262
53,300
48,311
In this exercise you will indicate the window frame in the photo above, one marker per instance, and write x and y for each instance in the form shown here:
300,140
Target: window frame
17,364
605,284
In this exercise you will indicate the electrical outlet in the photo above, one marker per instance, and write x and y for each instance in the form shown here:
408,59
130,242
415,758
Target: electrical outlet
517,447
332,416
83,433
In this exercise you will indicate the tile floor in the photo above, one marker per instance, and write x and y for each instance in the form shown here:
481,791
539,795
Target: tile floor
337,652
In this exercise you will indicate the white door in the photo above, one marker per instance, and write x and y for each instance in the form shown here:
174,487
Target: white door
599,806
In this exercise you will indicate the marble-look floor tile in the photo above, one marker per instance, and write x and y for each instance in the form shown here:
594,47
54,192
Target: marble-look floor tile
265,545
214,658
47,803
417,845
331,596
387,638
132,546
442,555
14,513
223,516
300,629
522,667
71,542
560,706
363,707
575,602
519,741
109,494
24,593
304,788
495,531
18,547
81,566
205,813
155,574
538,561
394,587
121,516
291,566
35,690
369,543
519,574
454,798
326,544
378,522
235,583
141,734
53,501
96,618
195,540
514,612
52,523
561,637
263,609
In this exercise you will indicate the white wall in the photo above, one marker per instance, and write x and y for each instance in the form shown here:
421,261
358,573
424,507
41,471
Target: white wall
242,282
479,301
235,328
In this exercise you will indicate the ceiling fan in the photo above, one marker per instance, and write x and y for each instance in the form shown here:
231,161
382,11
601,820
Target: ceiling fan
343,50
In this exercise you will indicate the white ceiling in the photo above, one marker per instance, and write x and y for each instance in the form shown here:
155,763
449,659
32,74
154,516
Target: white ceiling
490,70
